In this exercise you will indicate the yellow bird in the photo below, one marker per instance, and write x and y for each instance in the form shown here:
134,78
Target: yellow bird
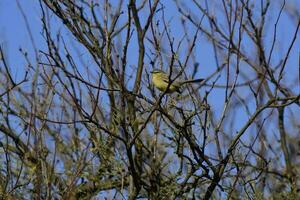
161,81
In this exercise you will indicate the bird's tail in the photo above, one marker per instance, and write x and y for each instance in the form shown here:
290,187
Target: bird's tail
193,81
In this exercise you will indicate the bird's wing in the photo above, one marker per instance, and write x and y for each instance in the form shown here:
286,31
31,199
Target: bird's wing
165,79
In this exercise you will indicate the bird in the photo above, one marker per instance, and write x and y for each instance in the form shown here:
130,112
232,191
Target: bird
161,81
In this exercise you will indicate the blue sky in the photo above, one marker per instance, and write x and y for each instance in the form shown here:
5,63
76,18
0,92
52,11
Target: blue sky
14,35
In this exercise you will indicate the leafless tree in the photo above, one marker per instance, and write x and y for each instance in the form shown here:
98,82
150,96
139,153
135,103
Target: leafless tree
85,121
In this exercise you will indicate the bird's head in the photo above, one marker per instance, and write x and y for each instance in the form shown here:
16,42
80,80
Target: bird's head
157,71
